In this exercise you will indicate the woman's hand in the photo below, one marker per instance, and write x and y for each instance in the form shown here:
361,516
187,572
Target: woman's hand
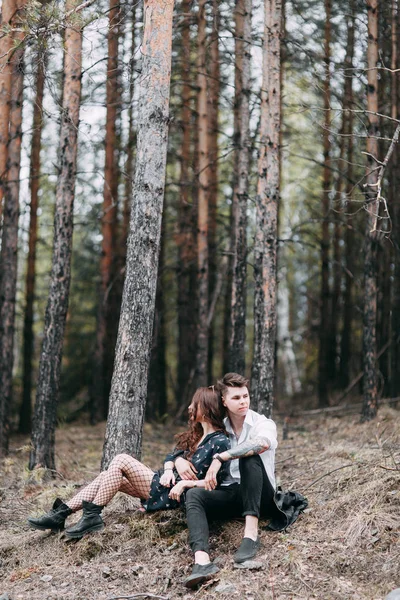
167,478
176,492
185,469
211,475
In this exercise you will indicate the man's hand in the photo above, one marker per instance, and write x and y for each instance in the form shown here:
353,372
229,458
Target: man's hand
211,475
185,469
176,492
167,478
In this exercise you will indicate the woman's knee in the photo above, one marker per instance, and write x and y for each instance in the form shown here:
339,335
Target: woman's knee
120,460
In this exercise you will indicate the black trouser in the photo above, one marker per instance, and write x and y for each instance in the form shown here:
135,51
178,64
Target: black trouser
253,496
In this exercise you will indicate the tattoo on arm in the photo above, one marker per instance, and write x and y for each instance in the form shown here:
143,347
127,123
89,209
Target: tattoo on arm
250,447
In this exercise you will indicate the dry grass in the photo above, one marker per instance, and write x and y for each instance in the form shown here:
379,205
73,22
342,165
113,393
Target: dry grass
345,546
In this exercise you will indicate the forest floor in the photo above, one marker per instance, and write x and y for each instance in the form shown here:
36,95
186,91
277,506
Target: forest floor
346,545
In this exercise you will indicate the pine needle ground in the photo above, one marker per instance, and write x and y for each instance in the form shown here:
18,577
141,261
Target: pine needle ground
346,545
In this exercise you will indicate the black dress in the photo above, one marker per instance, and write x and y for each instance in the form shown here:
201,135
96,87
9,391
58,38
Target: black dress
213,443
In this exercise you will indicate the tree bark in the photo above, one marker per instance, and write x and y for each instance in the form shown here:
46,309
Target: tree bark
186,242
129,383
265,243
203,198
345,342
324,367
213,114
9,243
237,325
99,387
25,416
8,9
370,384
44,421
395,382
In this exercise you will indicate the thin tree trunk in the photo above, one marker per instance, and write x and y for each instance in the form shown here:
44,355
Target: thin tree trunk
8,9
324,367
203,196
9,244
213,114
395,382
44,421
370,384
25,416
265,243
345,345
129,383
185,239
99,391
237,325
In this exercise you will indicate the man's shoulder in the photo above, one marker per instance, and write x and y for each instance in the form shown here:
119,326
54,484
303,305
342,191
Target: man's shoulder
253,418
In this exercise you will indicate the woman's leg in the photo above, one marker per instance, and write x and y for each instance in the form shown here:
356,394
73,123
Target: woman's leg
124,467
88,493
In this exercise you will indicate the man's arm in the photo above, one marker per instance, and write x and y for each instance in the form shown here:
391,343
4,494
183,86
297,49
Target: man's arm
250,447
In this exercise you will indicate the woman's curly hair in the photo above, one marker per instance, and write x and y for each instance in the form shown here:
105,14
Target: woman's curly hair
206,402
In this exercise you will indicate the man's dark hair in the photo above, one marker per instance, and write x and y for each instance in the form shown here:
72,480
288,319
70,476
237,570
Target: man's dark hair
231,380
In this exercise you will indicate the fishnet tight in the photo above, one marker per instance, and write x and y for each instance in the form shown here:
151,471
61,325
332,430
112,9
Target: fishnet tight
125,474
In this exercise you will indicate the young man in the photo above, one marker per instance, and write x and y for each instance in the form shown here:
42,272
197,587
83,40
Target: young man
248,492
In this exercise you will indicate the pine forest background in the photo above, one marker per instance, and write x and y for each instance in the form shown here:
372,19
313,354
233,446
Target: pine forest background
324,220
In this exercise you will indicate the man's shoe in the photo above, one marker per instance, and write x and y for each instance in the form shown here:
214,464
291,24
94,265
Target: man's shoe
200,573
247,550
54,519
90,521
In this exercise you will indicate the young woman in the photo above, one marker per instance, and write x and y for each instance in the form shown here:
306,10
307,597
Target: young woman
195,448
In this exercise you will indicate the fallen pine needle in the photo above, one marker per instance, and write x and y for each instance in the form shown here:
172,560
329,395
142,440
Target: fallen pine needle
144,595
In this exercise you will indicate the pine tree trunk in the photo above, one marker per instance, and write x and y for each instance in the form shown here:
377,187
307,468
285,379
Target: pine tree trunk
129,383
370,383
265,243
44,421
395,354
324,367
213,114
348,250
202,209
156,405
186,242
237,325
99,391
25,416
8,9
9,243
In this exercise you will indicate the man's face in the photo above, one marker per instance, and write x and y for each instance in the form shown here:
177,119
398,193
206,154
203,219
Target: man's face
237,401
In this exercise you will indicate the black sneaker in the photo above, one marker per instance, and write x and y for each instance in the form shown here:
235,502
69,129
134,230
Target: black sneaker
247,550
200,573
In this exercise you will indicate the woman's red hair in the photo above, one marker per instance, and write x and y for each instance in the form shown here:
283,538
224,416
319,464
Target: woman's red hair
207,402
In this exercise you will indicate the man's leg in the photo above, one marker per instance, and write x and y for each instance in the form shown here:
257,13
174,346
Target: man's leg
201,505
257,496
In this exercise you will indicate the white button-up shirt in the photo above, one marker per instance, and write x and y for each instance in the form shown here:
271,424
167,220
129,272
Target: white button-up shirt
255,425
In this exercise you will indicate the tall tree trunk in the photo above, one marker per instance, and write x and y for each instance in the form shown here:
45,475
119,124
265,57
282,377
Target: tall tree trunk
237,325
156,405
44,421
213,114
395,382
25,415
99,388
324,367
185,238
129,383
265,243
9,243
202,209
348,302
370,384
8,9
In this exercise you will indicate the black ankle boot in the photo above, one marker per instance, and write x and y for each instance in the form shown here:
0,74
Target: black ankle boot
90,521
54,519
